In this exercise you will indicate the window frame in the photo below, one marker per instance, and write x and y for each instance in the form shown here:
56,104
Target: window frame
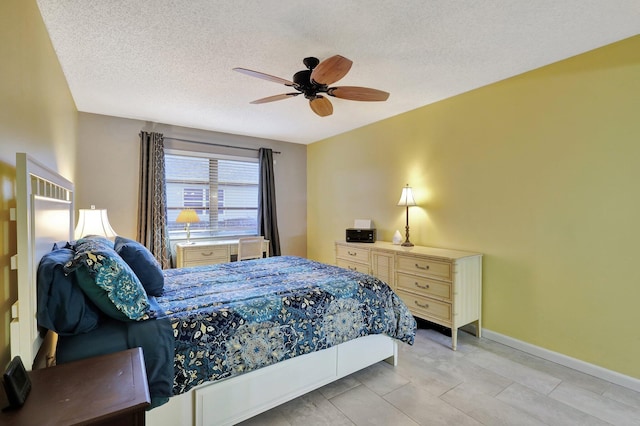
196,234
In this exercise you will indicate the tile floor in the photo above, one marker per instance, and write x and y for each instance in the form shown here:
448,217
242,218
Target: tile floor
482,383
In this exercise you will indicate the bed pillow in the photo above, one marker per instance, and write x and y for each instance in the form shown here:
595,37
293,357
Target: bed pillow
143,263
97,295
98,238
111,274
62,306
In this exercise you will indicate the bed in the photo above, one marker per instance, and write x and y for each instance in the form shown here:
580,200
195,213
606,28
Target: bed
227,334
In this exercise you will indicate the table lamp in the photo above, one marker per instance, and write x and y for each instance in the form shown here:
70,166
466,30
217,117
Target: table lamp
93,222
406,199
188,216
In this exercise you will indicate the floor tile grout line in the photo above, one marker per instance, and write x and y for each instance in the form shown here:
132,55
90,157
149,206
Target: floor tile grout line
554,388
428,355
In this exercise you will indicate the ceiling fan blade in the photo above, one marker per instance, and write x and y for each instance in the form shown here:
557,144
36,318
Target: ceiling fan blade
356,93
264,76
275,98
331,70
321,106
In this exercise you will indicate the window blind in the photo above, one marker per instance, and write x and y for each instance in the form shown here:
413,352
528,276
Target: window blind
223,192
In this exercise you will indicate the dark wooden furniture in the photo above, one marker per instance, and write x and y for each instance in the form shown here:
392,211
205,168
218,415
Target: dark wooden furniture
105,390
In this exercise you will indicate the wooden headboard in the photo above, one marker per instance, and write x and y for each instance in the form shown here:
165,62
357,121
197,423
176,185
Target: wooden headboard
44,215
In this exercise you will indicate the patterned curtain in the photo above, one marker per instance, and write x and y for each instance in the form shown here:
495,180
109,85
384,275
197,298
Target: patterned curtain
267,219
152,217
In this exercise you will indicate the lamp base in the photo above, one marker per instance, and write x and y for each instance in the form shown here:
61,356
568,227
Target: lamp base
407,243
188,228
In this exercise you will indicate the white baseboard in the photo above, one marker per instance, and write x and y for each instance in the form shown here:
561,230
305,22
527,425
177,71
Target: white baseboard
574,363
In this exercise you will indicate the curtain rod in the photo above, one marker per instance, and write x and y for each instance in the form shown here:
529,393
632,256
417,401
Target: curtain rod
216,144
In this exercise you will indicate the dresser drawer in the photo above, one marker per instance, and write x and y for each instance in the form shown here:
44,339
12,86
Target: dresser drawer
422,266
353,266
356,254
424,286
424,307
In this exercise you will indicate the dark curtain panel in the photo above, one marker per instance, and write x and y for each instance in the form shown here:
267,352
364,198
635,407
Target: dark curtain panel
152,209
267,219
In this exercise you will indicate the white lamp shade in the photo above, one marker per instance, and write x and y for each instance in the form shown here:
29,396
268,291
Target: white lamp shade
406,199
93,222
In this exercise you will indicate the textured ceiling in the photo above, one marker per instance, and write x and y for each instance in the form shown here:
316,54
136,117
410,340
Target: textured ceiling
170,61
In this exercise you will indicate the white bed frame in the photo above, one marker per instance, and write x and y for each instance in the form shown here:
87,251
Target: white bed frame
45,215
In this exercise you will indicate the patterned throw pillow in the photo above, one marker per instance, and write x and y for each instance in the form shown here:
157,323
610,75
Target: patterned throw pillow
111,274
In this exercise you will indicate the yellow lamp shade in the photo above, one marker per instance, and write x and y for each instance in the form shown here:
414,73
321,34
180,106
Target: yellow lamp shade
187,216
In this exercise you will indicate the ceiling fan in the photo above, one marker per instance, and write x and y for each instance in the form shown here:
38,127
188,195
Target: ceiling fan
315,80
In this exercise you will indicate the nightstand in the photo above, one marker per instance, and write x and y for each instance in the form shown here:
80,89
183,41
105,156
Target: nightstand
104,390
201,253
209,252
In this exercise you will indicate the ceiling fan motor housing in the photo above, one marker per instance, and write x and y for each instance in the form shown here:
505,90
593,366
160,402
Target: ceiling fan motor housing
310,62
308,87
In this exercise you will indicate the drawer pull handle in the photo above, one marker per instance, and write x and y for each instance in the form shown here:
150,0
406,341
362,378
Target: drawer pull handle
352,253
351,268
207,254
425,268
426,286
424,306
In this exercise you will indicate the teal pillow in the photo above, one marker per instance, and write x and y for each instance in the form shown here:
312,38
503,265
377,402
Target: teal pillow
97,295
97,263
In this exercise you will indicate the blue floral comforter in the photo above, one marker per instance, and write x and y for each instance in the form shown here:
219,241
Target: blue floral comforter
232,318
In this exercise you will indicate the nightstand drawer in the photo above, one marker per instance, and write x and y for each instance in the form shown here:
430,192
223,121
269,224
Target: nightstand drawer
424,286
424,307
203,255
422,266
355,254
353,266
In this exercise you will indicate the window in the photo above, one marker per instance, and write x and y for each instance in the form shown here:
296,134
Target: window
222,191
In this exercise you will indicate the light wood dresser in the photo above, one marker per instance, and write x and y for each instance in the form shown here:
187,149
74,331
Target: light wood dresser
439,285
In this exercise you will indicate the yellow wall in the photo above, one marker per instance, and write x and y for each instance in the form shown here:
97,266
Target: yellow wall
37,115
538,172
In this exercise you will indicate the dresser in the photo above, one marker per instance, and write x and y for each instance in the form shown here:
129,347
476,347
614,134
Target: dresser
104,390
439,285
209,252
